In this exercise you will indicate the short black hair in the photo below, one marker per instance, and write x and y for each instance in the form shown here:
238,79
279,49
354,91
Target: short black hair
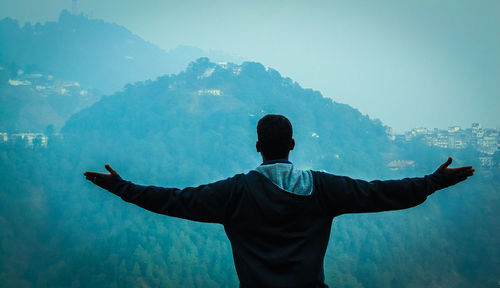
275,136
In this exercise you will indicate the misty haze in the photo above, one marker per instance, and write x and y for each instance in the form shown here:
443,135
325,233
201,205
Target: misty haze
79,89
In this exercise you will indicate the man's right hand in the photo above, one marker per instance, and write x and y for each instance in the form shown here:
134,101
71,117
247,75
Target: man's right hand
103,180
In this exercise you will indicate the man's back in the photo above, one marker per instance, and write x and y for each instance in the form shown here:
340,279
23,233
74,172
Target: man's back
279,238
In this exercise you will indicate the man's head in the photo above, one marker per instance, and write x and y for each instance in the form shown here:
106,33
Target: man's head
274,134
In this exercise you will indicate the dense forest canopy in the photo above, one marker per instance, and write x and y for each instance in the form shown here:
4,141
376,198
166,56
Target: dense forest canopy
199,126
193,127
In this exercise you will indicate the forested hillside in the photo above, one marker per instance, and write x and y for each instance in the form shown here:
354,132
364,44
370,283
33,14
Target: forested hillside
101,55
49,71
34,102
175,117
58,230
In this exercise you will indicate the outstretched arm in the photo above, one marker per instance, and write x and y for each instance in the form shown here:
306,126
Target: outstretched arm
205,203
345,195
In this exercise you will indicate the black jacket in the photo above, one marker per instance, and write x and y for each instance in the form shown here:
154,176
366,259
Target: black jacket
278,238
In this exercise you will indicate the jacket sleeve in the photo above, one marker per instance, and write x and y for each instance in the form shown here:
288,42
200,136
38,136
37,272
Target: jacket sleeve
341,194
205,203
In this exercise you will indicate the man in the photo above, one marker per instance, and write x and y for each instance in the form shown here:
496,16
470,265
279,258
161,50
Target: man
277,217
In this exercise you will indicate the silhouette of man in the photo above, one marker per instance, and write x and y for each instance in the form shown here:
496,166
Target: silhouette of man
277,217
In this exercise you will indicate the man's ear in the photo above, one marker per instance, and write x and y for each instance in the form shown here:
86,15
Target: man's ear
292,144
257,146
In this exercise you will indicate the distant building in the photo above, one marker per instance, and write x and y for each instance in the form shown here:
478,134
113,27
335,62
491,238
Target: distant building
46,85
487,162
213,92
223,65
16,82
401,164
442,141
477,130
237,70
29,139
453,129
420,131
489,142
484,140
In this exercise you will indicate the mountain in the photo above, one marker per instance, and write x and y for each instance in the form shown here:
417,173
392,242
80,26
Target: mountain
97,54
199,126
208,113
49,71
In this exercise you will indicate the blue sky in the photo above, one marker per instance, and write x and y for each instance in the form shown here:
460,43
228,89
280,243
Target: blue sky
408,63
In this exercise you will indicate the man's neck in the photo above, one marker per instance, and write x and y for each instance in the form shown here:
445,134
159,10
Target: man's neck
273,161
